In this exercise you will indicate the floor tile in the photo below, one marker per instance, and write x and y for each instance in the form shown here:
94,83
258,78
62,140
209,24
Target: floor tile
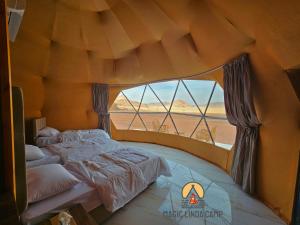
224,202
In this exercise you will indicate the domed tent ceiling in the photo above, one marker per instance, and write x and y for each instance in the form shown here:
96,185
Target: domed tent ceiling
132,41
65,45
126,41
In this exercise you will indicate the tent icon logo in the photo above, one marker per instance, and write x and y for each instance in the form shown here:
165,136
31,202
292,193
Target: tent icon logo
192,195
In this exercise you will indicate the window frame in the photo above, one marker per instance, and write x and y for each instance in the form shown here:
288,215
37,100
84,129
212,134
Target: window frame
202,115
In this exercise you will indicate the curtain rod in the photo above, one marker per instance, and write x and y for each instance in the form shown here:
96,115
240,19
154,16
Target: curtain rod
170,79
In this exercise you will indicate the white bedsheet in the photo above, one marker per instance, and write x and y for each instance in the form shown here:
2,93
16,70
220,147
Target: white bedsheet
118,172
117,181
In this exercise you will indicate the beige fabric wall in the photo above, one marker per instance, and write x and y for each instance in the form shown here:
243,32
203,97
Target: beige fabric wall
65,45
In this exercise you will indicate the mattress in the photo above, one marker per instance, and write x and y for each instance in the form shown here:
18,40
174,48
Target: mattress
81,193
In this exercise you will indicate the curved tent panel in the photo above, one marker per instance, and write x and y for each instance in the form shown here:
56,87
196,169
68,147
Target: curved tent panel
64,46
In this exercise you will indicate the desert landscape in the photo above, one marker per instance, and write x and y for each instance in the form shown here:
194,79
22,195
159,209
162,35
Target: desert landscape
185,116
121,104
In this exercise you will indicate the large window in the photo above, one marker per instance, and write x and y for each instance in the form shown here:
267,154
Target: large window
189,108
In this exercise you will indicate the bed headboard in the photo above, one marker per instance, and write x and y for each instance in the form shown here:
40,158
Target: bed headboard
19,147
37,124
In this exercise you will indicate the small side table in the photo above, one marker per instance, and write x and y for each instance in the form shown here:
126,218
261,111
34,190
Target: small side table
79,217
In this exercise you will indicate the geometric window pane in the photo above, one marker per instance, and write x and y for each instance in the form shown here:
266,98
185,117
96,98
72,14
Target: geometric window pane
222,132
185,124
137,124
183,102
168,126
153,120
121,104
121,120
150,102
135,95
216,106
165,91
148,108
200,90
201,133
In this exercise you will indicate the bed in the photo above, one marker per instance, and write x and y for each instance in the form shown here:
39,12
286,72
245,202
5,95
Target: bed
111,174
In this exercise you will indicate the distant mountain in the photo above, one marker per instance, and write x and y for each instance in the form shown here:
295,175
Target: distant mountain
179,105
216,104
121,104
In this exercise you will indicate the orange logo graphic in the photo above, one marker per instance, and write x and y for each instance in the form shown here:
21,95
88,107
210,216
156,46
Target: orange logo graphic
193,200
192,195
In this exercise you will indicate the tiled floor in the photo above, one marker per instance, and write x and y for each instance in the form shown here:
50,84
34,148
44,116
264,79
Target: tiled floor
222,197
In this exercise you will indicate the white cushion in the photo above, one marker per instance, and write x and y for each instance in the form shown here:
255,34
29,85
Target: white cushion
48,132
48,180
44,141
33,153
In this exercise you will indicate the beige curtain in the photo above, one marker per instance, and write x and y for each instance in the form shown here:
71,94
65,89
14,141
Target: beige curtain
100,94
241,113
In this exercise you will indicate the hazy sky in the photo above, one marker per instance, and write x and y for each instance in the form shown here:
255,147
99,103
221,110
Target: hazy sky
200,89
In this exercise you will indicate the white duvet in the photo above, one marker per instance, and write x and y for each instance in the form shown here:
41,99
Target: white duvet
118,172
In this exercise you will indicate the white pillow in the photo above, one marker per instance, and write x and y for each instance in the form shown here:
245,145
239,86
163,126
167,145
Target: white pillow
44,141
94,133
48,180
54,159
48,132
69,137
33,153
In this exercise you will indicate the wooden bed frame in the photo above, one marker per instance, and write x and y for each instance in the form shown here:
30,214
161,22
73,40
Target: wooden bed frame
36,125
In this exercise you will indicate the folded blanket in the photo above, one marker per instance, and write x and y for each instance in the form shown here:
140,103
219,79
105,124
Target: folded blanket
117,180
130,154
